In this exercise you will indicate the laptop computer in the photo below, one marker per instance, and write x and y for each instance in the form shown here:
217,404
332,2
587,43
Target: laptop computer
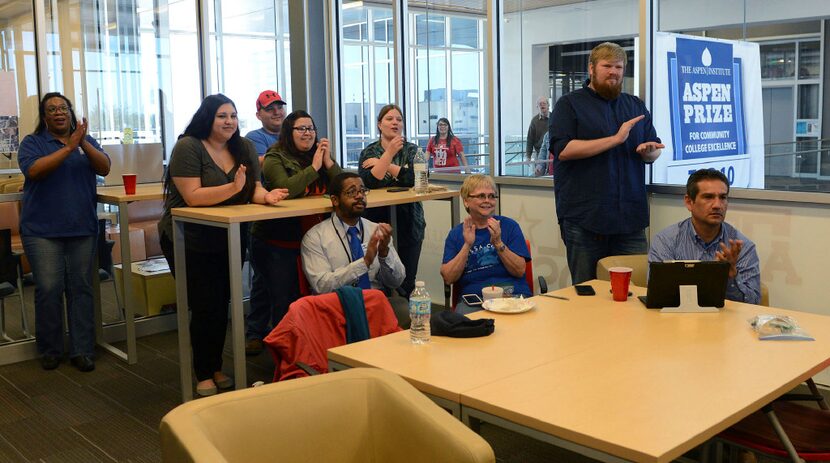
665,278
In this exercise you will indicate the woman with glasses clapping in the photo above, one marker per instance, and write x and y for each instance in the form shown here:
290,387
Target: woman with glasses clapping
58,226
486,249
302,163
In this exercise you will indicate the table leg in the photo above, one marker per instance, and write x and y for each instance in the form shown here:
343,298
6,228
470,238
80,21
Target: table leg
237,309
127,278
182,319
131,356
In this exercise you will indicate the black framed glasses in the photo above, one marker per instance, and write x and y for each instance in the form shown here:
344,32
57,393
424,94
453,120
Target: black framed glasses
483,196
355,192
305,129
57,109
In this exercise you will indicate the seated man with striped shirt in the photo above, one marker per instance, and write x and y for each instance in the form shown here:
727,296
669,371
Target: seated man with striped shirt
705,236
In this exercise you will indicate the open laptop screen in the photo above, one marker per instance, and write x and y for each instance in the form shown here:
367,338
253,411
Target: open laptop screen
665,278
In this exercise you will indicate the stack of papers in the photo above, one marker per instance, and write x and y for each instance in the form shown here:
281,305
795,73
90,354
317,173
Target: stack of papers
157,265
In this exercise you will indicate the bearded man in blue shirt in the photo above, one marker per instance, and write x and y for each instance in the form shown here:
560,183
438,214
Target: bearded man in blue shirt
601,140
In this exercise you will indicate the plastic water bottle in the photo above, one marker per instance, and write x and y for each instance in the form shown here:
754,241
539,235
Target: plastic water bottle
419,166
420,310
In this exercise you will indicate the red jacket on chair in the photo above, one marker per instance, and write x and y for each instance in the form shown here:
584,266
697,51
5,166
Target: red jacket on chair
313,324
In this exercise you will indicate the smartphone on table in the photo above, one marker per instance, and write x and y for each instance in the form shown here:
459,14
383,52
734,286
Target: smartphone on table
471,299
585,290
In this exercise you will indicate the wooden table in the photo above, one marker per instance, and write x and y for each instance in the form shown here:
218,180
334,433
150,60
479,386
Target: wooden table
115,195
614,381
230,217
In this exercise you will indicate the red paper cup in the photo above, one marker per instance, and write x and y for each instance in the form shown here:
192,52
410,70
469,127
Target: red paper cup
620,278
129,183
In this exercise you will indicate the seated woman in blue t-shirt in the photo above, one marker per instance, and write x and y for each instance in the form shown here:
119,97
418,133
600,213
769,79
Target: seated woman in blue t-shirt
485,249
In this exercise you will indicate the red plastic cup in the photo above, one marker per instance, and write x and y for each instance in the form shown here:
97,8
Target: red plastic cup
620,279
129,183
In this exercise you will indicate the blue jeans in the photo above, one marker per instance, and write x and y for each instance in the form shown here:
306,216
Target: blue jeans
63,267
585,248
274,287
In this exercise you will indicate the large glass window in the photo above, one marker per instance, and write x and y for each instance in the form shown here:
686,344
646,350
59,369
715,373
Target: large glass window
367,73
447,44
249,51
545,49
18,79
776,49
118,69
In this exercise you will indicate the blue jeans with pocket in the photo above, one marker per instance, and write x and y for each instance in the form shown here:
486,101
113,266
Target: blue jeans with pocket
584,248
63,267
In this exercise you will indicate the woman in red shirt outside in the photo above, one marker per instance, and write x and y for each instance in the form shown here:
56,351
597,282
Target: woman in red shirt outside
445,149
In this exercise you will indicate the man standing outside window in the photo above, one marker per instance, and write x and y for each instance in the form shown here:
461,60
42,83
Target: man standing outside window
536,134
601,140
270,110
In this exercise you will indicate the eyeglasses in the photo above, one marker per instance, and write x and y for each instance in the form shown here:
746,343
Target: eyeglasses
305,129
354,192
483,196
57,109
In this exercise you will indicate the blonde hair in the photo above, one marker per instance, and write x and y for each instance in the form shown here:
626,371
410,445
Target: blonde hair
475,181
608,51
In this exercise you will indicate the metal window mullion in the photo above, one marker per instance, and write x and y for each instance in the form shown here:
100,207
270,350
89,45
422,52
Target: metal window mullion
333,94
400,13
494,34
203,35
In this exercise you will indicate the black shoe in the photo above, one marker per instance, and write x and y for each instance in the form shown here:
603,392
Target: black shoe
83,363
50,362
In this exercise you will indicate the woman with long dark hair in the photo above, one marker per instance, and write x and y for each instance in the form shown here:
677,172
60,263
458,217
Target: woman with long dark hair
389,162
59,225
445,149
211,165
300,162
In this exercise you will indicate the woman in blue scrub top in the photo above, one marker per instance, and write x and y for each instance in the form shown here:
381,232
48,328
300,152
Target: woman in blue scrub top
59,226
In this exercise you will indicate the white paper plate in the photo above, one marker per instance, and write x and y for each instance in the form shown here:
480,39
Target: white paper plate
508,305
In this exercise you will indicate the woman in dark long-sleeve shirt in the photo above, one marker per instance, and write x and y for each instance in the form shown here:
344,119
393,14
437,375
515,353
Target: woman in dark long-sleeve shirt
388,162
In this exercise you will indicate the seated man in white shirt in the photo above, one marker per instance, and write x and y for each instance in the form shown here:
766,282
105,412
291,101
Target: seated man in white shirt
350,250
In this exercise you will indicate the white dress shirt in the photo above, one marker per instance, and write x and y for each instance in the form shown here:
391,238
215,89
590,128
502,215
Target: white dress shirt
327,261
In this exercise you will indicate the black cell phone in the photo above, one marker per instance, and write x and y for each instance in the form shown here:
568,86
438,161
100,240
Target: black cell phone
397,189
73,124
585,290
471,299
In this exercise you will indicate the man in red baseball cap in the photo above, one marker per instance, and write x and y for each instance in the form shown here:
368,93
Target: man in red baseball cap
270,110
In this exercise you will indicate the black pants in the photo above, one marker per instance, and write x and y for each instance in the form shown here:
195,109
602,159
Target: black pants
208,294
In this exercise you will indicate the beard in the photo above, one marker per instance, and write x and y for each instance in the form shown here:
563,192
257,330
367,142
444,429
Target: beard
605,90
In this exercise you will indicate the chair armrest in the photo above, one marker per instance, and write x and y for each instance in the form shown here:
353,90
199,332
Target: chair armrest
307,368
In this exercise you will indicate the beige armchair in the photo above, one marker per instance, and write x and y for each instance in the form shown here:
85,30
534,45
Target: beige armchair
638,262
357,415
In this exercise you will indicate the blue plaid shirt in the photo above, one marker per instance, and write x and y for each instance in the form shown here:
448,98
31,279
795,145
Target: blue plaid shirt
681,242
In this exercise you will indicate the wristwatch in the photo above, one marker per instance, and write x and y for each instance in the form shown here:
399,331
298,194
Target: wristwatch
501,247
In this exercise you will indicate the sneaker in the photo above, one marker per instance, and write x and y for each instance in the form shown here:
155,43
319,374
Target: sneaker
83,363
206,388
254,347
50,362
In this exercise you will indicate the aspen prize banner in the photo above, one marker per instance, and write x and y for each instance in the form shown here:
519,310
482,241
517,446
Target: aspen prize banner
708,109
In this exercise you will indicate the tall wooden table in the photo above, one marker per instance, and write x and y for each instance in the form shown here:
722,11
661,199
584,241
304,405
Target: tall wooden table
230,218
115,195
612,380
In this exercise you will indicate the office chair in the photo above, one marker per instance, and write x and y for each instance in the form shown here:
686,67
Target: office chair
11,282
106,271
314,324
356,415
785,430
452,293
